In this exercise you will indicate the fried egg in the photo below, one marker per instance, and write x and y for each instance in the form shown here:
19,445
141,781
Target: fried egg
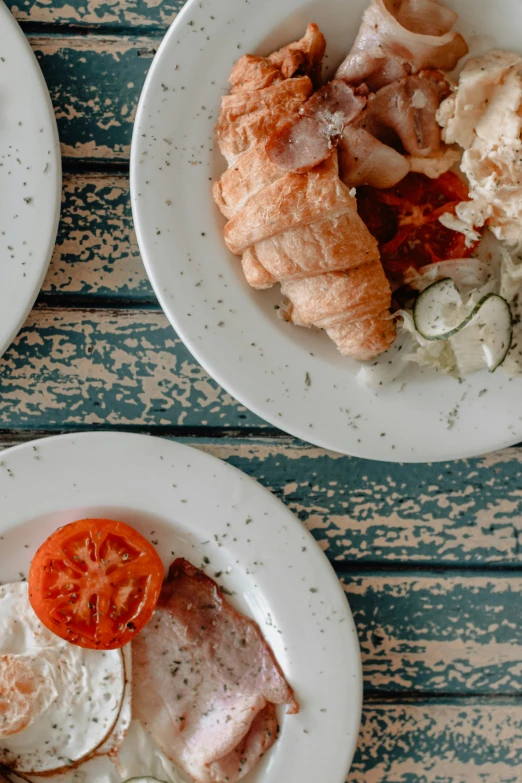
59,703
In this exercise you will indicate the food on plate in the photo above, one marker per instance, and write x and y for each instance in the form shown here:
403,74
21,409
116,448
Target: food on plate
195,689
306,141
405,220
95,583
299,229
59,702
205,681
483,115
430,161
400,37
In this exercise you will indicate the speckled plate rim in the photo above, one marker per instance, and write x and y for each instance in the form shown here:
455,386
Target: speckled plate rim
278,572
29,128
231,329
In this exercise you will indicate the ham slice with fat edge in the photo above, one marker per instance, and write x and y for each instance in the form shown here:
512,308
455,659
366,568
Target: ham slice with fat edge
205,682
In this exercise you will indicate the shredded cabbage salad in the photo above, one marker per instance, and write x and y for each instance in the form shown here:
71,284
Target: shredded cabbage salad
494,270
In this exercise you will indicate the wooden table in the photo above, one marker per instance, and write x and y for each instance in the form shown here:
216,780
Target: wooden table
430,555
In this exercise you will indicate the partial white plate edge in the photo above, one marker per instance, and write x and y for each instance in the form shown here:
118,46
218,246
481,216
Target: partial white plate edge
57,160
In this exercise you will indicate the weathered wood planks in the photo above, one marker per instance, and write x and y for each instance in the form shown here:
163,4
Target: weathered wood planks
450,633
95,84
111,14
466,512
439,743
75,367
96,252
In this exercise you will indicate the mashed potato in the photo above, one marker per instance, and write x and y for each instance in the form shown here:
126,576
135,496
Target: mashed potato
484,116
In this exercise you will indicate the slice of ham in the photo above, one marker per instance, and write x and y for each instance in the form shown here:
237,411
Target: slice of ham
364,160
405,112
398,37
307,141
205,682
299,146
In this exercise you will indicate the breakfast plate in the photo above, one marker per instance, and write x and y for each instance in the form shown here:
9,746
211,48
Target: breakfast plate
294,379
30,178
191,505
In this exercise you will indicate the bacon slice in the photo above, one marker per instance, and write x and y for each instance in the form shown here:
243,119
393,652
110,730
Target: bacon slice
405,111
304,143
364,160
398,37
205,681
435,167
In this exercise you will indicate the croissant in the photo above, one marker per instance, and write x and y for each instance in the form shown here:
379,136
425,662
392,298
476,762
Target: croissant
300,230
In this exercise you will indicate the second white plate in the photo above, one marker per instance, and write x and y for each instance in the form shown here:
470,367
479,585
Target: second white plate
30,178
195,506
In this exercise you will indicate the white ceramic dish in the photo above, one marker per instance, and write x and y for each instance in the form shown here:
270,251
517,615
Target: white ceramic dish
30,178
233,330
186,500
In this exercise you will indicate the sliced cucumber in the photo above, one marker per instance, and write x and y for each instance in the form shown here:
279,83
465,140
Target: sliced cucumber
492,315
438,312
468,350
480,334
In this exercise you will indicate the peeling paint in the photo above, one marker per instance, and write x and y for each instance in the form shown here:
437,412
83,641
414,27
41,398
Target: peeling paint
151,14
433,743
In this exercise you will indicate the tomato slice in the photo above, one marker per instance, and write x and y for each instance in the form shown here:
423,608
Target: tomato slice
405,221
95,583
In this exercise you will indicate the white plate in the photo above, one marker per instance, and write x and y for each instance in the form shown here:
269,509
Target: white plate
30,178
233,330
186,500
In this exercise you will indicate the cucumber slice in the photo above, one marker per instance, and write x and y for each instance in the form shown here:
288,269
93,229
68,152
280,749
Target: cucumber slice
492,315
468,350
438,312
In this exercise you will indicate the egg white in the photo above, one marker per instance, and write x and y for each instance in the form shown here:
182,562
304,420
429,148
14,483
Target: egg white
58,702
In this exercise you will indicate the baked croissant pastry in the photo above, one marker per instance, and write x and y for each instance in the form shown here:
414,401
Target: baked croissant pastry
301,230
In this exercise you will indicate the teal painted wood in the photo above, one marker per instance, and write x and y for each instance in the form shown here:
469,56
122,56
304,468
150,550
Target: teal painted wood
96,251
111,14
439,743
466,512
449,633
76,367
95,83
